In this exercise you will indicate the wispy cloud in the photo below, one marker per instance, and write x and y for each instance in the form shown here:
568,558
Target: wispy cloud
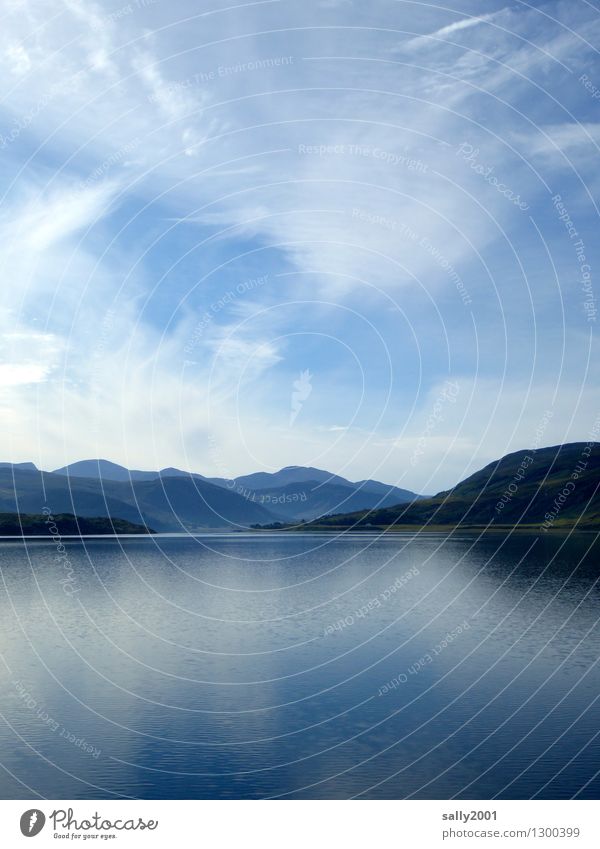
44,221
440,34
568,138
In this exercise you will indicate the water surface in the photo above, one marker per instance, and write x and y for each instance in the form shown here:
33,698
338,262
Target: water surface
300,666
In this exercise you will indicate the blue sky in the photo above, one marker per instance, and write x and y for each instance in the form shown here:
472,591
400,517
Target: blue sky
215,214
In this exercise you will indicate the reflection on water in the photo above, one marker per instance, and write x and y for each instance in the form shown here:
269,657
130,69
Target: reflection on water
300,666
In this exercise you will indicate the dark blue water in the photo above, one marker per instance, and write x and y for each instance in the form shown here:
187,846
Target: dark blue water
301,667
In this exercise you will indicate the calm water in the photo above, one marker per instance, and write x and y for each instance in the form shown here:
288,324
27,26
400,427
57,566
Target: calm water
301,666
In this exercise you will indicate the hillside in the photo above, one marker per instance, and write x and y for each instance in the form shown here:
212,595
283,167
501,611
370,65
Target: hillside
26,524
548,488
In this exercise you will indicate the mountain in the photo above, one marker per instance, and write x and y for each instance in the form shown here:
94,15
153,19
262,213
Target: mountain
106,470
26,524
292,494
288,475
30,467
171,472
103,469
309,499
385,489
308,474
179,504
549,488
166,504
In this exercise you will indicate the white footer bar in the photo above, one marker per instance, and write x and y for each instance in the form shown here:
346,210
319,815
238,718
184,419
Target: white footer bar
301,824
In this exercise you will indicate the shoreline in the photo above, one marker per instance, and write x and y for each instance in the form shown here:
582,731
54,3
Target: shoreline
338,530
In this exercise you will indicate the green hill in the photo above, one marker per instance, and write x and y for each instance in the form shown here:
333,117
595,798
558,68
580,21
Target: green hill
28,524
554,487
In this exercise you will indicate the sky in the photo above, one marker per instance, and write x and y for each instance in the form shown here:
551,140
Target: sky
357,236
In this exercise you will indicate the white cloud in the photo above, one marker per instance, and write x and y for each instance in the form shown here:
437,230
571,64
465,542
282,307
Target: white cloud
569,138
18,58
430,39
53,216
16,374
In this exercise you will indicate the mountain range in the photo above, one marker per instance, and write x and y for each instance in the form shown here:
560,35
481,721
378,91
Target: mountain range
549,487
172,500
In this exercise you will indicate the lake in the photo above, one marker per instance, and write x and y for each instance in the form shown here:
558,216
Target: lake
301,666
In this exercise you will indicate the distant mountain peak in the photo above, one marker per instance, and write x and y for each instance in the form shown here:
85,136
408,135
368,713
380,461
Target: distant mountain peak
100,468
94,465
294,468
